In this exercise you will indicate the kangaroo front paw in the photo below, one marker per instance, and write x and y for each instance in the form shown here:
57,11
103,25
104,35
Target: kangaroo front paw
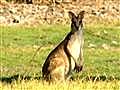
78,68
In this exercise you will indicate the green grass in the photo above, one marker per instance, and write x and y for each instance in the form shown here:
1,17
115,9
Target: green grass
18,45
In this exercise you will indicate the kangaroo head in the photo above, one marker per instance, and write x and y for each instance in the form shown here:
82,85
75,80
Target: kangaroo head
76,21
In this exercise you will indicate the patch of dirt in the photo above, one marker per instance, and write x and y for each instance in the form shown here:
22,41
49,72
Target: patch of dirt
35,14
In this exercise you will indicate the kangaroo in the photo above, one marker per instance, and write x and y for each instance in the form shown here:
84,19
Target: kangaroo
68,55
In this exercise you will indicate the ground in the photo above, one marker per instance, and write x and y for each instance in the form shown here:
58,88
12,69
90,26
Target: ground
20,70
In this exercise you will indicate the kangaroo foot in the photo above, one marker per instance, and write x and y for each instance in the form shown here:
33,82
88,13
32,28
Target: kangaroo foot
78,68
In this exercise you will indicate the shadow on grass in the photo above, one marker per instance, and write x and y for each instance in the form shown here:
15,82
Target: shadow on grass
95,78
17,77
101,78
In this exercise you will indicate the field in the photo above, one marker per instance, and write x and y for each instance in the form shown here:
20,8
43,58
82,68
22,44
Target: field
21,64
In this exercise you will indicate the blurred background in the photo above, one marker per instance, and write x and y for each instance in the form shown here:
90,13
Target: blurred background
36,12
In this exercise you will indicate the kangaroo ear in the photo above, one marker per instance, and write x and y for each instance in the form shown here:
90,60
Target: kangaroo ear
71,15
81,15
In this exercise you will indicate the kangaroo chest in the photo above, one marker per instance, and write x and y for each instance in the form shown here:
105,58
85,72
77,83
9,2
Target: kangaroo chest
74,44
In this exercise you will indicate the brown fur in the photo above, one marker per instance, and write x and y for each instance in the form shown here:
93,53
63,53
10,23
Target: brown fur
64,58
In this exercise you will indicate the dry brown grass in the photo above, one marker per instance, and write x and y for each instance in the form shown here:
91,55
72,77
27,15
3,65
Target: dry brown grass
74,85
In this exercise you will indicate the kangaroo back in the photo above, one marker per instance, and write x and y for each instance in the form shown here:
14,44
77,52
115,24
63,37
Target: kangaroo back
64,58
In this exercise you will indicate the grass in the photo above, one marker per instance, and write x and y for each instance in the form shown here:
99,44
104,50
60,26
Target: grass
77,85
19,70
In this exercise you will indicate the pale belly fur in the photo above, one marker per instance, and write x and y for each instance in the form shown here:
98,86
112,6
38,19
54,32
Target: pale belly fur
75,49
